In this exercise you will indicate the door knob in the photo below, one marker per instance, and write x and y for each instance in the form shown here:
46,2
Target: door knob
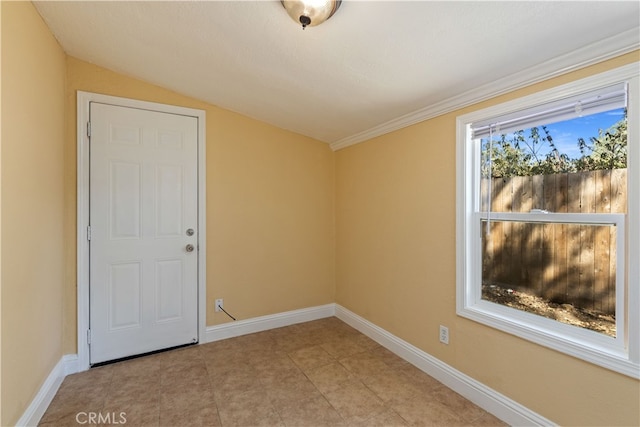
190,232
190,248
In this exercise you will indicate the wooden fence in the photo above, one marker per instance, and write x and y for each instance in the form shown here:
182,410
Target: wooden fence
564,263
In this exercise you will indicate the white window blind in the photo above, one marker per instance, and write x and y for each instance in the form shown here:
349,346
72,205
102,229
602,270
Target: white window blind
598,101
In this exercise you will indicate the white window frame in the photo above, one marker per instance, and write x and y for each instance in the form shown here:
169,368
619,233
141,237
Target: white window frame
620,354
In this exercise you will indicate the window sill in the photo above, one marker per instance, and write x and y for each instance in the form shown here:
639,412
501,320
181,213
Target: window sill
586,345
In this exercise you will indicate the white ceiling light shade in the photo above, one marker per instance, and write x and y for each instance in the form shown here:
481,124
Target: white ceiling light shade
310,13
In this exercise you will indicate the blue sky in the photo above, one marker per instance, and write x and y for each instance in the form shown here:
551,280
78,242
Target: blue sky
565,134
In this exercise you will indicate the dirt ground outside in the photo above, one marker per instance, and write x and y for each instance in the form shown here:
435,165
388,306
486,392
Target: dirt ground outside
565,313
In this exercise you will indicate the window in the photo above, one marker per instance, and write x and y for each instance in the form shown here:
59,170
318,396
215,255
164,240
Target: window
548,218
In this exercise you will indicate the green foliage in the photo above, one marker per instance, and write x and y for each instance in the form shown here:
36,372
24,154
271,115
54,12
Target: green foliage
519,154
607,151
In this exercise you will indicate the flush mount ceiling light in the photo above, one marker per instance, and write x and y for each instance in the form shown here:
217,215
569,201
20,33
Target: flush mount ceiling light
310,13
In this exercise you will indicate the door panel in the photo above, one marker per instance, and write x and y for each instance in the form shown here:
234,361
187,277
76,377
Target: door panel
124,295
170,180
143,198
169,289
124,200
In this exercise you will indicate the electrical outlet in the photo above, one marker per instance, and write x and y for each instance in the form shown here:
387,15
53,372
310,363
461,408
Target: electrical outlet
444,334
219,304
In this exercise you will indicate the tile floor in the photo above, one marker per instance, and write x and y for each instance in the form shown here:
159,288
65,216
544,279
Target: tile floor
320,373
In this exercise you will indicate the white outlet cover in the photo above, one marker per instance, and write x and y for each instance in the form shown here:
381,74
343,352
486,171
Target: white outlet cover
444,334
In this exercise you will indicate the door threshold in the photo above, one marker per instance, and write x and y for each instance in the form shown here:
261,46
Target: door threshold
136,356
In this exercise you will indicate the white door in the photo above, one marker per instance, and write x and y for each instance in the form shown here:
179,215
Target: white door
143,291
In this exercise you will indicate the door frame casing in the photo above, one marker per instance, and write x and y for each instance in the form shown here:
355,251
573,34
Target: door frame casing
82,198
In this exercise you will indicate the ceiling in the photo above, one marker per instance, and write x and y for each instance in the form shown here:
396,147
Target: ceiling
373,67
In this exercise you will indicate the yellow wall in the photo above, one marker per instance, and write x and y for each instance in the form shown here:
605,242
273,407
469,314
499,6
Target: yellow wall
270,233
32,241
270,227
395,227
270,230
0,216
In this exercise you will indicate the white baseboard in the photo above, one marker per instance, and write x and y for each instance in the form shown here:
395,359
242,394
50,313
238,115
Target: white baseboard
263,323
499,405
70,364
65,366
490,400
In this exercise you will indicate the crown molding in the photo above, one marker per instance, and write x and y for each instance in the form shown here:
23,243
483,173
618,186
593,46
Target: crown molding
600,51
